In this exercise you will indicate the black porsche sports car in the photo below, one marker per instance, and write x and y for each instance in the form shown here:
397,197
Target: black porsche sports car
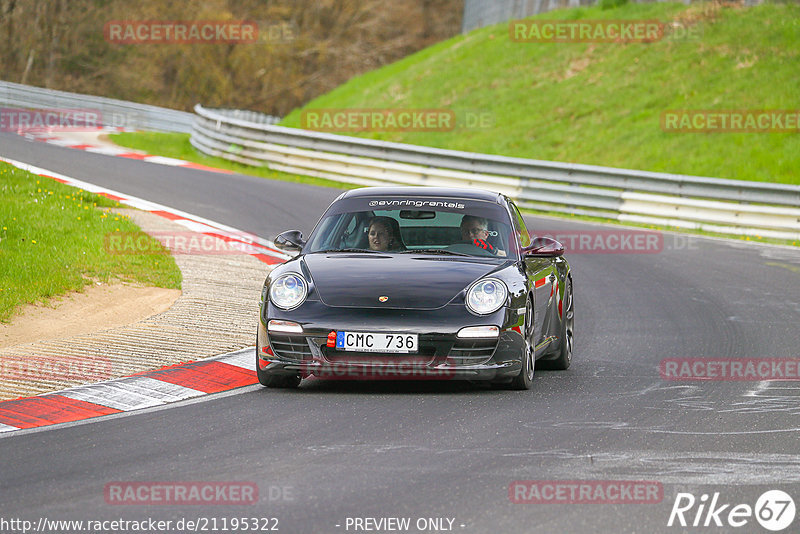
416,283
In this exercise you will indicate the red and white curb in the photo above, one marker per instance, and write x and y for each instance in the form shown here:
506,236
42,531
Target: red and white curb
151,388
144,390
261,249
67,139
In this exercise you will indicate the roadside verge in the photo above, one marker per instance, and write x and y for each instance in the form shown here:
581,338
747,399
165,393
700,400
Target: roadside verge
216,314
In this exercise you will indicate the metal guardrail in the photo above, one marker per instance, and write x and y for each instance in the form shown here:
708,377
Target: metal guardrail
724,206
113,113
480,13
712,204
249,116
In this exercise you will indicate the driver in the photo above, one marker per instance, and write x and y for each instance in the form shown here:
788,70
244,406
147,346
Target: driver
475,230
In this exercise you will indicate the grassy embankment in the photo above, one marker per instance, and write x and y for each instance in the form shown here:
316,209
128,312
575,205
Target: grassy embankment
592,103
601,103
52,241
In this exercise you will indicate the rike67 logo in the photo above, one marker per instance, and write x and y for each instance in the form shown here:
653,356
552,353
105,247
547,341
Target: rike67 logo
774,510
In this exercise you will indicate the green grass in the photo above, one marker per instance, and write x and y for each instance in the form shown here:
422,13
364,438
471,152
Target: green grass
587,103
176,145
601,103
52,241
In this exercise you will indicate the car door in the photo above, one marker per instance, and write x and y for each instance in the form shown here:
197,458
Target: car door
541,276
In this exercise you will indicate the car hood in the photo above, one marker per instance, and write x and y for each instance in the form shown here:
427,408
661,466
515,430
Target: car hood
409,281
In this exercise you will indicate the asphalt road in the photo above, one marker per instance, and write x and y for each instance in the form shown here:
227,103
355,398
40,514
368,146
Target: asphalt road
337,450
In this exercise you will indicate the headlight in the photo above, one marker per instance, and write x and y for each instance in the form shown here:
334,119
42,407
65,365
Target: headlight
486,296
288,291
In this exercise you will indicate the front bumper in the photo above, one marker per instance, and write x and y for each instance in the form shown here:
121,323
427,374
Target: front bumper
441,356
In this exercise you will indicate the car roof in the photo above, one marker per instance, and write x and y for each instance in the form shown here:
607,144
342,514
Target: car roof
429,192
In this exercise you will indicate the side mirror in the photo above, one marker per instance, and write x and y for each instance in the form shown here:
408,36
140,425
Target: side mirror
291,241
544,247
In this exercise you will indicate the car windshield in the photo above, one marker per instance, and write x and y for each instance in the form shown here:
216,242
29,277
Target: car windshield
449,228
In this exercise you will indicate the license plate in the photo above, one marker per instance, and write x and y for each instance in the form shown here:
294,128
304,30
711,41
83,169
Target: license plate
374,342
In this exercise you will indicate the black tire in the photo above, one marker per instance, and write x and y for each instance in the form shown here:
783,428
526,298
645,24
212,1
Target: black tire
524,379
567,334
275,381
279,381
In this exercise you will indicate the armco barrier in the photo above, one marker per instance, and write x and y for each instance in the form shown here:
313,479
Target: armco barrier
480,13
712,204
115,113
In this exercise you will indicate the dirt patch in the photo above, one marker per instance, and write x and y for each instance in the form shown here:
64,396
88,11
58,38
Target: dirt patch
98,307
576,66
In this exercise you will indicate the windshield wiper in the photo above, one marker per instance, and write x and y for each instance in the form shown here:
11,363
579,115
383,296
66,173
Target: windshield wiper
435,251
350,250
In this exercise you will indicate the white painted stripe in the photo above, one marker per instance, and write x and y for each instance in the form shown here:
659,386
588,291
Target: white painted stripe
107,150
7,428
165,391
132,393
146,204
250,248
246,242
162,160
61,142
111,395
245,358
195,226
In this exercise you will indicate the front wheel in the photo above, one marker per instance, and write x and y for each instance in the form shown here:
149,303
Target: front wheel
525,377
274,381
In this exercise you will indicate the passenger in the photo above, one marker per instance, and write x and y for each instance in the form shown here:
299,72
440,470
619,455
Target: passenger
384,234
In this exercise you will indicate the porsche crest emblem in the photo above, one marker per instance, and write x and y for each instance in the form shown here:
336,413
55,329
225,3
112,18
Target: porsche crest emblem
383,298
